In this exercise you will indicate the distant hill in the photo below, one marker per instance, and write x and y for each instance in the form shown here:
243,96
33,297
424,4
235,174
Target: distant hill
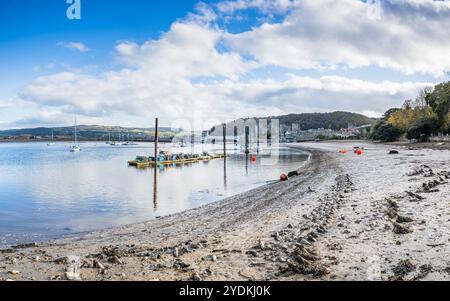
334,121
309,121
92,132
306,121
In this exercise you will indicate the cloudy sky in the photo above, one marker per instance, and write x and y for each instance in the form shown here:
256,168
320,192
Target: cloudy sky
127,62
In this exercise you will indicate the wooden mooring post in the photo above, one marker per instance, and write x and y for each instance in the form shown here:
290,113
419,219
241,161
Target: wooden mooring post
156,140
225,140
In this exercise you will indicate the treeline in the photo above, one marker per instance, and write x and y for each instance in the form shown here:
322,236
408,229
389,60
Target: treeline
334,120
93,132
418,119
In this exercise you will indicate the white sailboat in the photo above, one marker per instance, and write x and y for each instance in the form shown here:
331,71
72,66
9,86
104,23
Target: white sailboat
131,140
125,142
110,142
128,142
53,140
75,147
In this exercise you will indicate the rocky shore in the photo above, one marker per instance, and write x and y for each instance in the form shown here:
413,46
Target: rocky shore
344,217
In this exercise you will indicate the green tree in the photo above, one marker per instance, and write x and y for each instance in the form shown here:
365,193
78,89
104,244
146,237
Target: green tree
384,131
439,101
390,112
422,129
421,100
335,137
446,128
320,137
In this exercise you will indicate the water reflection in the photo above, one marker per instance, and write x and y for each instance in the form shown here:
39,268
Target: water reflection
246,164
155,189
225,173
45,191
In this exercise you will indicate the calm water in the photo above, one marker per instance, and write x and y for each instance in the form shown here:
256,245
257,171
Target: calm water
47,192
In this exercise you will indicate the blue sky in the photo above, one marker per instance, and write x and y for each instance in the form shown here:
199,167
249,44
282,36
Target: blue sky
126,62
31,30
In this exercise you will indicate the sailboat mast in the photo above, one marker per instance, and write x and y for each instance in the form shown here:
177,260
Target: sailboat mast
76,139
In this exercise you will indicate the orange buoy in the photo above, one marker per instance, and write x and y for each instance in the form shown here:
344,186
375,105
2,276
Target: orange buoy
283,177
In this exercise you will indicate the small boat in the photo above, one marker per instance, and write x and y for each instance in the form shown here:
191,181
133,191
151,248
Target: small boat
53,140
109,139
129,142
126,143
75,147
110,142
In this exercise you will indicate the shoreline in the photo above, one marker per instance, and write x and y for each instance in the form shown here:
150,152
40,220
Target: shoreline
281,231
79,235
421,145
168,141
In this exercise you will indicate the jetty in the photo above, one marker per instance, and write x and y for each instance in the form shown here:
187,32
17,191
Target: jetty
165,158
144,162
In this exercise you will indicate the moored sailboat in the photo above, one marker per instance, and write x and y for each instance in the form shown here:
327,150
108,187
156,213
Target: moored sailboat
53,140
75,147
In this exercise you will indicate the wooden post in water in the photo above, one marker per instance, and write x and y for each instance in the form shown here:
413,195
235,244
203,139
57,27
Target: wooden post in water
257,133
224,140
224,129
247,140
156,141
155,188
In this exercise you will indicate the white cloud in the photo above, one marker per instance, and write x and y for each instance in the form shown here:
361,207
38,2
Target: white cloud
4,106
188,50
198,66
203,14
77,46
43,118
411,36
266,6
131,93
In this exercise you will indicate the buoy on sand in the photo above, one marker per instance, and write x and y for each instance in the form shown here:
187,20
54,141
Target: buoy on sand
283,177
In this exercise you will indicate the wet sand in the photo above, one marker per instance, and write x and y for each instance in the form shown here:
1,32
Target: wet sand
344,217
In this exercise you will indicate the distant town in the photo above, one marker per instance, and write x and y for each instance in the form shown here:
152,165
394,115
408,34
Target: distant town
293,133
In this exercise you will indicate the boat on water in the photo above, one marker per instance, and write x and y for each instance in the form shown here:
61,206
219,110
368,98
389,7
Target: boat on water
75,147
172,159
110,142
53,140
129,142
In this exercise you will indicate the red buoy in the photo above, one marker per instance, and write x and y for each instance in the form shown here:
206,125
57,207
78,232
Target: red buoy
254,159
283,177
359,152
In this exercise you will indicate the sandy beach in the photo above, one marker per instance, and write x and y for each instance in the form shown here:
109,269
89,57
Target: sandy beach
344,217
